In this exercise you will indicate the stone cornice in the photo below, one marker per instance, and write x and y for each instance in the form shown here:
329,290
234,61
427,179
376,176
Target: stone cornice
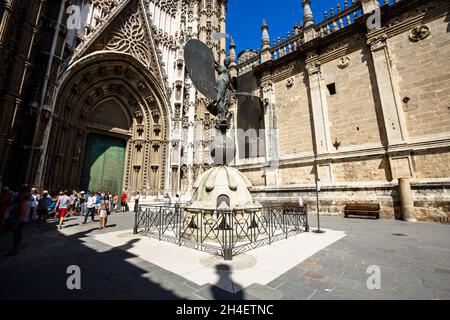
353,186
405,23
375,151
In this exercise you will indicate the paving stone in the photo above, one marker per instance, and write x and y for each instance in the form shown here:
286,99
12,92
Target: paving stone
294,292
263,292
275,283
315,275
443,271
216,293
441,294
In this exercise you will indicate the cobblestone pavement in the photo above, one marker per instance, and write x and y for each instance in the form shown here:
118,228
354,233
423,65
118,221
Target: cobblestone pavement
414,260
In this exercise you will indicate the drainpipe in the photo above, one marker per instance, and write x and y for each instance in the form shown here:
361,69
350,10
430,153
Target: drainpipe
42,99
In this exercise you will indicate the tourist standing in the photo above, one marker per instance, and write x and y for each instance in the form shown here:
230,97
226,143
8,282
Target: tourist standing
98,199
82,201
42,208
137,196
33,202
123,201
115,201
61,193
20,216
103,213
62,206
177,203
72,203
107,201
90,205
5,203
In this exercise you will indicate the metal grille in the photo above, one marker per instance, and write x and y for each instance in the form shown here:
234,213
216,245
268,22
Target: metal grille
219,232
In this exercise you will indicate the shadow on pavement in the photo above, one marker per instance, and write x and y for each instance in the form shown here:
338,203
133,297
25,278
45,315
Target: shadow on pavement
40,269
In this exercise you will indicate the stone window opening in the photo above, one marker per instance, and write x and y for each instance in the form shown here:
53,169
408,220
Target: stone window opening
331,88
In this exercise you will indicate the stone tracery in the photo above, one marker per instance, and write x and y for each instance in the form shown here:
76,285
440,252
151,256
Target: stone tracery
131,38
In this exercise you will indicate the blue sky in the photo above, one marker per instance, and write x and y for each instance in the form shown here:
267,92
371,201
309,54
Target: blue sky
245,17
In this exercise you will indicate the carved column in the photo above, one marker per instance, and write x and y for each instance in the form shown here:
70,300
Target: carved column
319,106
388,92
17,81
271,134
5,20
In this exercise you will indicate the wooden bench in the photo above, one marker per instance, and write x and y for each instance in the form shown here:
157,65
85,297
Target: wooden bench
362,209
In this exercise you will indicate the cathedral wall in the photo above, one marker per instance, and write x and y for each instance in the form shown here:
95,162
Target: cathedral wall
352,111
431,165
424,78
293,113
361,171
431,200
299,174
256,176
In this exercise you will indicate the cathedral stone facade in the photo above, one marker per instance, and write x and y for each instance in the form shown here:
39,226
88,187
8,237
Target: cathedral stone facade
358,106
108,105
99,98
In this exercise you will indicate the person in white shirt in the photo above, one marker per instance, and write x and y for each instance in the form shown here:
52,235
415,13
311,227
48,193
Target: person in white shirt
90,205
33,203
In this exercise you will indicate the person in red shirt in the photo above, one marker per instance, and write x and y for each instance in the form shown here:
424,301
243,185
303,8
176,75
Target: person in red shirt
123,201
5,203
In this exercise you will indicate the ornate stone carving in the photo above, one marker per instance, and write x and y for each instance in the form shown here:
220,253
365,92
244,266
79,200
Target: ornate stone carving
313,68
131,38
419,33
207,122
377,43
139,115
290,82
266,91
344,62
138,145
140,129
157,129
105,5
156,116
185,123
177,114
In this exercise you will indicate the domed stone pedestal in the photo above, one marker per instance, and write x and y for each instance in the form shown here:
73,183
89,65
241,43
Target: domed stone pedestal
222,204
222,183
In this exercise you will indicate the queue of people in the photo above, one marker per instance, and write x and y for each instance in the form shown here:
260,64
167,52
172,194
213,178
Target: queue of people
28,206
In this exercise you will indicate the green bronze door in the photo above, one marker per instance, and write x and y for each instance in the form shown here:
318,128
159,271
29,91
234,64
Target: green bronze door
103,163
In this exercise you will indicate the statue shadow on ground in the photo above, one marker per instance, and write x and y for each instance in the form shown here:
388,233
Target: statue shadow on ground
226,281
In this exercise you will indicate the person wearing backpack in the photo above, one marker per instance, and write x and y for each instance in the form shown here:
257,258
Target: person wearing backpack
20,217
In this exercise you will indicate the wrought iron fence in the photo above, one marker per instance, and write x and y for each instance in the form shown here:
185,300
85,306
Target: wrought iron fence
221,232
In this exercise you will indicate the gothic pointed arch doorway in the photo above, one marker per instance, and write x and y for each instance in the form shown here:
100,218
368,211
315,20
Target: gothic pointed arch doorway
111,128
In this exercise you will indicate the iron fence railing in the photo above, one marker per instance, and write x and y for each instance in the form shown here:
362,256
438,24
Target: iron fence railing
226,233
